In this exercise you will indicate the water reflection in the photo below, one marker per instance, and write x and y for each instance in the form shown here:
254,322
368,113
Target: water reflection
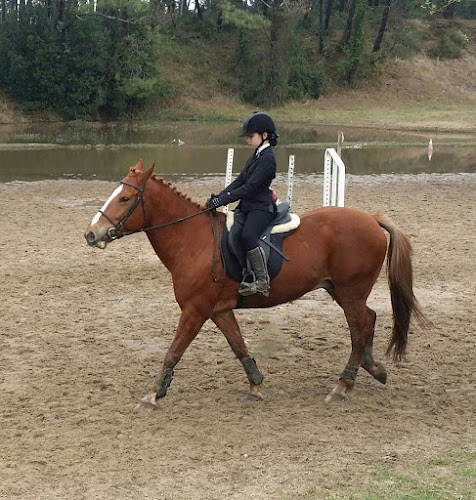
97,151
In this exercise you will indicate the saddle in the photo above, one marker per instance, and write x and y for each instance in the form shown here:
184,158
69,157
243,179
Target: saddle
271,241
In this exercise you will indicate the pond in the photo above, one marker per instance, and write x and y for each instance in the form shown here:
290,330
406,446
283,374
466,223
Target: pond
105,151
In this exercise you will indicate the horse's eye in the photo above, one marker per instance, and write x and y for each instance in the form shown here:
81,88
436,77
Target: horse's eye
124,199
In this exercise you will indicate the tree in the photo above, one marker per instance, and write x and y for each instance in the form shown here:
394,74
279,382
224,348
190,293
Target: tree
328,14
443,6
321,26
354,47
350,22
383,26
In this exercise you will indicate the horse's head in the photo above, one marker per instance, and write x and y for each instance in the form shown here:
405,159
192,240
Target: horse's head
124,211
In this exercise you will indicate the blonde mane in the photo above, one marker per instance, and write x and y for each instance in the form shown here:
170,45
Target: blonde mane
173,188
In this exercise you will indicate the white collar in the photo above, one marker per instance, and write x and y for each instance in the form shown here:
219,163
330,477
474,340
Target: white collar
263,146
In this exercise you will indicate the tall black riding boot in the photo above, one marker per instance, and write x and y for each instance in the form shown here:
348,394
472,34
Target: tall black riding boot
257,261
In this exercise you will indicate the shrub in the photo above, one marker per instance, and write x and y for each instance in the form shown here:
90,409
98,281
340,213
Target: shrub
451,45
305,79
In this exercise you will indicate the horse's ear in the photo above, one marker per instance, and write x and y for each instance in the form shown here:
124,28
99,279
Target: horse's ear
138,166
148,172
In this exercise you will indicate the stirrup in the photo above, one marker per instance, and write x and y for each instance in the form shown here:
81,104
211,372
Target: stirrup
247,288
263,290
245,291
248,283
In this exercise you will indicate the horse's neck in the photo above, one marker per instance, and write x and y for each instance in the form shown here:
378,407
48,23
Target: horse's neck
173,243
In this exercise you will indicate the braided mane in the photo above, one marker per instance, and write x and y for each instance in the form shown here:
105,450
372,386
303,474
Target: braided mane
173,188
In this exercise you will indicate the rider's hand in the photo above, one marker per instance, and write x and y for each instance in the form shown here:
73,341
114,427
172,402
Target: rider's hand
214,202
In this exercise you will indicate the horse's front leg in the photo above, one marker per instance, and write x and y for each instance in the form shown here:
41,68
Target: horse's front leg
189,325
226,322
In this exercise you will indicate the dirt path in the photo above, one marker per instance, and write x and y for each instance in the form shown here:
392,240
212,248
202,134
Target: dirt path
83,334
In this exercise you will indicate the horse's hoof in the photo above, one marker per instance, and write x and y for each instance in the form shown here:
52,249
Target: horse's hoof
147,403
336,397
381,376
378,372
253,397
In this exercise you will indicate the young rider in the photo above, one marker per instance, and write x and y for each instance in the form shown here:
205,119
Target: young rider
253,188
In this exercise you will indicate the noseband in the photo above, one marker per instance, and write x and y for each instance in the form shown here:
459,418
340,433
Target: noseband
116,233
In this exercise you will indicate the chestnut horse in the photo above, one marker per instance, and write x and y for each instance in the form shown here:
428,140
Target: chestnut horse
339,249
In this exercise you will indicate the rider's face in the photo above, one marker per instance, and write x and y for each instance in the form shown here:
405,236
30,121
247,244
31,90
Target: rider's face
254,140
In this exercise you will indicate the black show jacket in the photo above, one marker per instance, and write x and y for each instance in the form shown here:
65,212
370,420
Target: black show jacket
253,185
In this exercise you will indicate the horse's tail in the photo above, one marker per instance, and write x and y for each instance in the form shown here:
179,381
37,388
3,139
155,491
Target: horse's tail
400,281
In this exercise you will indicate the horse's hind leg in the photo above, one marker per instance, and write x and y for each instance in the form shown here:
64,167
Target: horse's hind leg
376,369
361,321
226,322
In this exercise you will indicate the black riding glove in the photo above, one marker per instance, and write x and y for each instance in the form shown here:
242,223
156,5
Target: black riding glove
214,202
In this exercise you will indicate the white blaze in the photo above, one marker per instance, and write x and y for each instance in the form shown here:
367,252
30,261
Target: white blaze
103,209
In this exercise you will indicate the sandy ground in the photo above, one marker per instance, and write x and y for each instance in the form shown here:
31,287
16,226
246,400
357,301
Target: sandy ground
83,334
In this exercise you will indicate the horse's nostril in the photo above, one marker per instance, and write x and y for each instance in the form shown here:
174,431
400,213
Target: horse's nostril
90,236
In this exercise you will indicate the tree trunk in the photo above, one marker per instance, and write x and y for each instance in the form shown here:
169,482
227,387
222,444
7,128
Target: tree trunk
321,26
156,8
198,8
383,26
328,14
449,11
356,40
60,13
350,22
4,9
21,13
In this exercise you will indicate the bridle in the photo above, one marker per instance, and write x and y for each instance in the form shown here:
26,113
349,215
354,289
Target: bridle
115,233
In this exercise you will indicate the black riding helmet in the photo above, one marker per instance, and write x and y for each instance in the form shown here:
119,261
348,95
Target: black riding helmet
260,122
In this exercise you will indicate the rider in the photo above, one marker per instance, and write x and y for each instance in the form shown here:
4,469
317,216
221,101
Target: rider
253,188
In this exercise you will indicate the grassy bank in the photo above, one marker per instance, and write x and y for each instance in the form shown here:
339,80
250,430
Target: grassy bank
332,110
421,94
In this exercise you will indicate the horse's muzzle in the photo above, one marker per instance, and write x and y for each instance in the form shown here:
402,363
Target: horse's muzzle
100,238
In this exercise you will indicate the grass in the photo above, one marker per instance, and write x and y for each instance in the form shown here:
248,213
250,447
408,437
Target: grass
423,116
441,478
449,477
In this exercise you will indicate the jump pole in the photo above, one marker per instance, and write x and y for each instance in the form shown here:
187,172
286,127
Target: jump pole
289,197
229,170
334,179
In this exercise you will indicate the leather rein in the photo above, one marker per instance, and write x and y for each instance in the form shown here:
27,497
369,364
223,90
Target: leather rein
116,233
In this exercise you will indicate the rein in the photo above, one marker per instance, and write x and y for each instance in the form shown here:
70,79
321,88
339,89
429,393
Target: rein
216,238
159,226
116,233
140,197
